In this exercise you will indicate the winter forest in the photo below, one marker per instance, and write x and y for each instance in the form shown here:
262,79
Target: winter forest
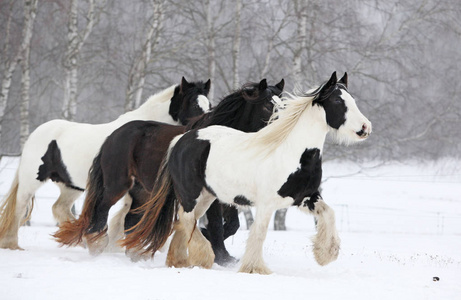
394,198
90,61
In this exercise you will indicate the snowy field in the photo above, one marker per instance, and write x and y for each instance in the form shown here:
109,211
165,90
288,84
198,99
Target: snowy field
400,226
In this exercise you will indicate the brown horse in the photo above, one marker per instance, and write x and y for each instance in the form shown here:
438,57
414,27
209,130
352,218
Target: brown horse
130,158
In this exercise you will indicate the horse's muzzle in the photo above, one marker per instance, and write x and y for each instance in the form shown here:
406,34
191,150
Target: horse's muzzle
364,132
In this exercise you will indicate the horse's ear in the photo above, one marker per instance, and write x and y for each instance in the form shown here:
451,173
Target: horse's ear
184,84
208,85
280,85
262,85
331,82
343,80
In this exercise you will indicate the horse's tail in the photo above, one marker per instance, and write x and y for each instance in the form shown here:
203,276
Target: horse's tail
71,232
156,224
8,207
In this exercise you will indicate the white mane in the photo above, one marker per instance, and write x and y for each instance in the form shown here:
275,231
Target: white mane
155,107
285,117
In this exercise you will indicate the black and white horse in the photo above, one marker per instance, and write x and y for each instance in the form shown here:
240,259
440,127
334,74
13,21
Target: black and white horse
131,156
276,167
63,152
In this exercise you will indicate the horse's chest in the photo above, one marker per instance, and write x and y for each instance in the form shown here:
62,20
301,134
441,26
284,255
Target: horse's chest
306,179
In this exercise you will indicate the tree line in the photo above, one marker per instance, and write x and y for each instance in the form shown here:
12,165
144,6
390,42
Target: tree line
92,60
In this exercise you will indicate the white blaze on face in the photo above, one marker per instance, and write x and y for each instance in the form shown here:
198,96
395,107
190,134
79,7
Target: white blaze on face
203,103
355,121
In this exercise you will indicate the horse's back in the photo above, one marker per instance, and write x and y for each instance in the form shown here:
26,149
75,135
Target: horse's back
68,136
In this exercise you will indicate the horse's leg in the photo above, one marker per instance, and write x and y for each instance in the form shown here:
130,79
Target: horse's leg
252,261
232,222
188,237
13,211
97,239
63,206
177,252
200,250
326,242
215,234
138,196
117,225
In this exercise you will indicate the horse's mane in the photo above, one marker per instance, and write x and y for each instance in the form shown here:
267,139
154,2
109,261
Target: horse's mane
285,118
230,108
162,96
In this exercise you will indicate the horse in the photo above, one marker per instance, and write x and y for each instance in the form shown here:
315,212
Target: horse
68,164
130,157
276,167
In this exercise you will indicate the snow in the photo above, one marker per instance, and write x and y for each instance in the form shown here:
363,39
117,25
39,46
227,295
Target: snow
400,226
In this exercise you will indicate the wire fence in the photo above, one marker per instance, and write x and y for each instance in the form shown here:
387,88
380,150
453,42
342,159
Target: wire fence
349,217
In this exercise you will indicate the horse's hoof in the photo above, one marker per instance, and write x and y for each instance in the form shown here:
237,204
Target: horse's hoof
12,248
10,245
183,263
263,270
201,255
136,256
225,259
325,254
96,247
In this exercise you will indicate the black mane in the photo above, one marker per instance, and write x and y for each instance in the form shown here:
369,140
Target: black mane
231,109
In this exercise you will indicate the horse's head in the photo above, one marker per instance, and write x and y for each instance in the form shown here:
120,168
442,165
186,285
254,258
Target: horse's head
260,100
343,117
189,100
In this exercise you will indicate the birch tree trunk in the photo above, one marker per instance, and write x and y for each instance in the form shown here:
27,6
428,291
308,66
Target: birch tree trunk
301,17
267,60
25,92
211,48
236,45
22,55
75,42
137,75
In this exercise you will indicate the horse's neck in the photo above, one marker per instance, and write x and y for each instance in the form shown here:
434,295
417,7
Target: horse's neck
155,108
309,132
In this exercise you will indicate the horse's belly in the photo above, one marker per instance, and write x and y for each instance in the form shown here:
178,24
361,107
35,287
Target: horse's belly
235,177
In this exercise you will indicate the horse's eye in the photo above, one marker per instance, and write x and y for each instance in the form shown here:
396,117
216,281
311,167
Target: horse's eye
338,100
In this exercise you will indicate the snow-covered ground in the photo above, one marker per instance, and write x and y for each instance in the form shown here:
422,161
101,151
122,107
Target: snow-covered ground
400,226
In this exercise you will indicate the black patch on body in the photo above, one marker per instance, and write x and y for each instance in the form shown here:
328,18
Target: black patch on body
309,202
187,166
242,200
53,168
305,181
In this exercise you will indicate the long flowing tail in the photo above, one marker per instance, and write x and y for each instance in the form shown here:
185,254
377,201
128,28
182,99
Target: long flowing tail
8,208
156,224
71,233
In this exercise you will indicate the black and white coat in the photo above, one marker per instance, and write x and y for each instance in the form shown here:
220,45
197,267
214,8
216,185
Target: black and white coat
277,167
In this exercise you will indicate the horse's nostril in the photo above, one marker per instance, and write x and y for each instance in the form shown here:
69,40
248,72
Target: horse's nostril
364,127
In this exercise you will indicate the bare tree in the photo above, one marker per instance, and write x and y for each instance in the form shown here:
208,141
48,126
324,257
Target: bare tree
236,45
300,8
211,47
30,10
137,75
75,41
21,56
